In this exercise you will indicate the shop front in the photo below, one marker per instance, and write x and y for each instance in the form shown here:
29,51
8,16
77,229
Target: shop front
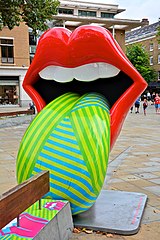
9,90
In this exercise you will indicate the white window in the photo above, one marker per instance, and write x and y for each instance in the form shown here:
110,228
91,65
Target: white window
7,51
158,59
158,45
151,60
32,49
151,47
158,75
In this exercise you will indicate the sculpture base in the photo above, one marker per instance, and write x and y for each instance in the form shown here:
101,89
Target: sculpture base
114,212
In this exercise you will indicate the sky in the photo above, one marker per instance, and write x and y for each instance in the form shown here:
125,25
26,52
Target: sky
136,9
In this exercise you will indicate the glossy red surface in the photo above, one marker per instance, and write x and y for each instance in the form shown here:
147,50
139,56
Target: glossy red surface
87,44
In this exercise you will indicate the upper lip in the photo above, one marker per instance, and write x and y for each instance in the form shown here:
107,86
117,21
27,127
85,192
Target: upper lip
86,45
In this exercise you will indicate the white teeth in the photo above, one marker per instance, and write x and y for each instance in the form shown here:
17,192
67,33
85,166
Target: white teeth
86,73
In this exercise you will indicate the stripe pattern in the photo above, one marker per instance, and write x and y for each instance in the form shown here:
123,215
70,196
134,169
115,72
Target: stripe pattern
38,132
74,149
31,221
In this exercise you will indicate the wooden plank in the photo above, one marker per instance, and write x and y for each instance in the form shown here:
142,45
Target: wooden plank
15,113
19,198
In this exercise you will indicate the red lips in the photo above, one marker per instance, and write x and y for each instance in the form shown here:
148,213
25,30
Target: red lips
87,44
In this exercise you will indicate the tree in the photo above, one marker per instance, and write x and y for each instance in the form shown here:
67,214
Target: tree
140,60
34,13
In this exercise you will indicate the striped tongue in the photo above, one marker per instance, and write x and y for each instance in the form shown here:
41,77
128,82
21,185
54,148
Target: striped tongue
70,137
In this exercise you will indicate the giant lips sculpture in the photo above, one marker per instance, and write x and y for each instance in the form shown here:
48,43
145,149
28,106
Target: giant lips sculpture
83,86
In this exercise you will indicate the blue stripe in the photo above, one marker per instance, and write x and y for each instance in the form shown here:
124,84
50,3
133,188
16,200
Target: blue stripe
77,209
74,207
90,105
64,131
38,170
65,125
64,146
63,163
65,173
96,98
73,185
61,154
93,100
63,138
66,119
69,194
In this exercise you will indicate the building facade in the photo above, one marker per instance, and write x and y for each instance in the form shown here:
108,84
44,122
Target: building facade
17,47
14,62
74,13
147,37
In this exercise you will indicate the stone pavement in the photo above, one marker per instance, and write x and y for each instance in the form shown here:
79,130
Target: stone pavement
134,166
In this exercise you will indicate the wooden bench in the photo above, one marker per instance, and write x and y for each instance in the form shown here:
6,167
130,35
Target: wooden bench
16,113
19,198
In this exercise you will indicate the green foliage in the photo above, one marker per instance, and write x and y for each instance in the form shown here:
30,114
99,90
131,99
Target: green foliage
33,12
139,57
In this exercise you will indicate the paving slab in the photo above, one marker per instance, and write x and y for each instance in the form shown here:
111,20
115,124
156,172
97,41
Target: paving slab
137,144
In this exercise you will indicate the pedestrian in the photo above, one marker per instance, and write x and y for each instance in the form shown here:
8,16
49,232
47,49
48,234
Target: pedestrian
131,109
32,107
137,105
148,96
145,105
157,103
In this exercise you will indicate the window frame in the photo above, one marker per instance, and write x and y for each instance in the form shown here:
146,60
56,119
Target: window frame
108,15
158,75
88,13
151,60
67,11
7,50
151,47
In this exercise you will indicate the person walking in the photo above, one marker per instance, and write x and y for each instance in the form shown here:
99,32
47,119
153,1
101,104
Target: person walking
145,105
131,109
157,103
137,105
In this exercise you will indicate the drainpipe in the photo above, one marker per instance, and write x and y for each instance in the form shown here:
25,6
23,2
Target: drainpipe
64,24
113,31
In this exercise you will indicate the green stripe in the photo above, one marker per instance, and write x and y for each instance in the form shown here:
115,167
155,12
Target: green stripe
87,144
105,136
59,166
92,145
41,127
43,135
63,158
101,167
77,125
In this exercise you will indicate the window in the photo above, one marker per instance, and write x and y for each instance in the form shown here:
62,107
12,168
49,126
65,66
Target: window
158,75
107,15
159,46
158,59
32,39
65,11
6,50
86,13
151,60
151,47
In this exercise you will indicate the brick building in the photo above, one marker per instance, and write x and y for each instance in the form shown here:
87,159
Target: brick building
147,36
14,62
17,47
